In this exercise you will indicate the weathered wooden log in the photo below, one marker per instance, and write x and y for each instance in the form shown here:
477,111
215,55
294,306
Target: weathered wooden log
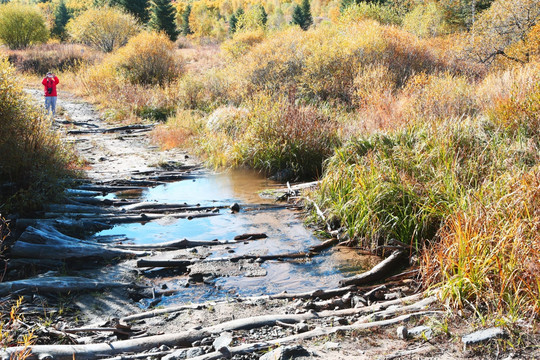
55,284
321,294
379,272
49,243
176,244
70,208
184,263
63,251
250,236
81,193
127,128
157,312
94,201
324,245
143,263
108,188
74,225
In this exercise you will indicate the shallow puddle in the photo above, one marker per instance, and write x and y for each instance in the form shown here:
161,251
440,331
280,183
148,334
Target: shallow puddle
285,229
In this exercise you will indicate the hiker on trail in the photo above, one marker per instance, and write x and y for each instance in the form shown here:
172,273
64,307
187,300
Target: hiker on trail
49,82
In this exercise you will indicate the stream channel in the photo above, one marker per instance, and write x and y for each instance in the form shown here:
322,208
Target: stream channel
284,227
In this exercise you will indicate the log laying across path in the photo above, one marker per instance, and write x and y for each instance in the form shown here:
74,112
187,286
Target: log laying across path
71,208
49,243
56,284
379,272
184,263
177,244
77,225
186,338
127,128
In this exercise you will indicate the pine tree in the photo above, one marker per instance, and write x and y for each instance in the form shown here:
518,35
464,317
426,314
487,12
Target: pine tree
233,20
186,29
263,16
61,18
302,15
306,11
138,8
298,16
162,18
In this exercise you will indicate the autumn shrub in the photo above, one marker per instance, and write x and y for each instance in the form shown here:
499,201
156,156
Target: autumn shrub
487,255
21,25
40,59
426,20
326,72
242,42
105,28
33,157
147,59
180,130
370,10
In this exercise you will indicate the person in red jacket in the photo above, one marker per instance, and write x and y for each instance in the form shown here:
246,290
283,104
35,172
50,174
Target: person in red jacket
49,82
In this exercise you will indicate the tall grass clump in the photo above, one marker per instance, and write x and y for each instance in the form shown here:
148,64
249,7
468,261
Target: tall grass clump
403,185
33,157
487,255
271,134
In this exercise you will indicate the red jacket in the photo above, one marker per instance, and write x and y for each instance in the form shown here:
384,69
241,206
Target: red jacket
50,83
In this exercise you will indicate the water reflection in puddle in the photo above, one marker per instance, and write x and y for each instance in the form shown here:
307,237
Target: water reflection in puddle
285,230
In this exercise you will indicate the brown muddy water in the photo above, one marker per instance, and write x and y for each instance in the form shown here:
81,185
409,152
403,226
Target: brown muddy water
285,230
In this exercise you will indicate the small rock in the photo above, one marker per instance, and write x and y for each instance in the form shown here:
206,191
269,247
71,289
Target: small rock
193,352
177,355
286,353
235,207
483,336
223,340
358,301
215,210
102,158
420,331
332,345
402,332
164,348
196,343
301,328
206,341
225,352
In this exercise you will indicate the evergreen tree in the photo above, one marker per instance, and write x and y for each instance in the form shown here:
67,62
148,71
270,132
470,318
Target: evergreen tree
138,8
263,16
162,18
233,20
298,16
306,11
186,30
61,18
302,15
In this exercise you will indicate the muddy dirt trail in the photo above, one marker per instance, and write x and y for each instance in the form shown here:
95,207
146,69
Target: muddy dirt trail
152,256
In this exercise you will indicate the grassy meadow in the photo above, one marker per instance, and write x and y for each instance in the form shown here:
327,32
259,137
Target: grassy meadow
420,119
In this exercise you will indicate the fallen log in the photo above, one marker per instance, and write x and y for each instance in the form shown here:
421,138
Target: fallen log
55,284
184,263
81,193
324,245
157,312
379,272
70,208
321,294
176,244
74,225
143,263
250,236
108,188
63,251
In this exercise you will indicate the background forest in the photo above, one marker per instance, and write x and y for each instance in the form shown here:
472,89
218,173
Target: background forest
421,118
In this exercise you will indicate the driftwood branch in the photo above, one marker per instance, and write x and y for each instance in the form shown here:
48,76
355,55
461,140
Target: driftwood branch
379,272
